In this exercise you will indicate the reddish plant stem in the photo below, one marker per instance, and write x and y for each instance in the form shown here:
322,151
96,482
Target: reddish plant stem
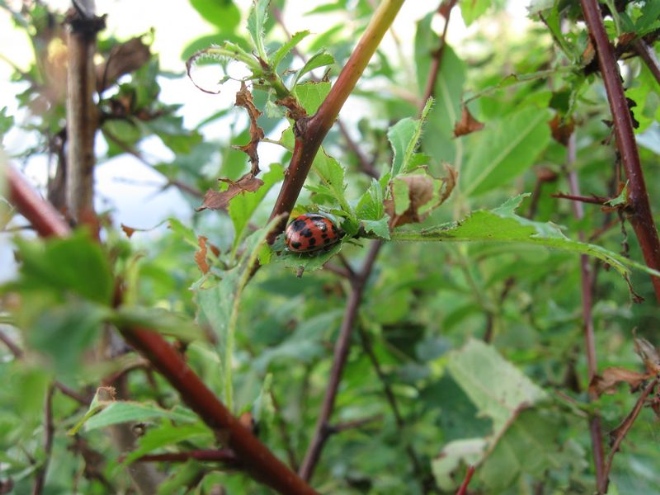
647,54
638,208
462,490
260,463
310,132
586,288
322,429
444,9
45,220
623,430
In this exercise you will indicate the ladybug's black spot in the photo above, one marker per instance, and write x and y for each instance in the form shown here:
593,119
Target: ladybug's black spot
297,225
295,245
307,232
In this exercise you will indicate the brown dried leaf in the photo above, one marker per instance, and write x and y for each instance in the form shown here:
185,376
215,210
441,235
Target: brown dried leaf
218,200
200,255
129,231
123,59
611,377
244,99
561,129
425,193
467,124
649,354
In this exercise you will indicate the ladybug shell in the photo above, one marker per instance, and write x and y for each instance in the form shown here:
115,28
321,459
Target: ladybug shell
311,232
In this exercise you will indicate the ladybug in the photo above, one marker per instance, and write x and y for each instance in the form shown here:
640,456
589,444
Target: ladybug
311,232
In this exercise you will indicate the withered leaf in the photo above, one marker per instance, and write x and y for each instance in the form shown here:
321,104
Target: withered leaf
561,129
244,99
200,255
122,59
467,124
611,377
649,354
425,193
218,200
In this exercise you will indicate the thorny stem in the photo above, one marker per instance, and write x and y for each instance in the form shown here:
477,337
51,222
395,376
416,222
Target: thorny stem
260,463
311,132
621,432
322,429
638,208
586,286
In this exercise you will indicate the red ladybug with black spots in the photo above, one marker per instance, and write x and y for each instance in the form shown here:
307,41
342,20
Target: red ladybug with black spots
311,233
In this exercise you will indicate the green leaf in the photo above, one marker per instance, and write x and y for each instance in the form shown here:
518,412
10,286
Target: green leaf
76,264
528,446
504,150
158,320
371,211
495,386
404,138
243,206
219,305
167,434
311,95
320,59
503,225
125,412
223,14
331,174
256,26
471,11
284,50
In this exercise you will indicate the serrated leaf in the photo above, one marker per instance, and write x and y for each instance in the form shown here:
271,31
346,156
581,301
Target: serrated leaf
503,225
76,264
284,50
404,138
311,95
331,174
255,23
504,150
320,59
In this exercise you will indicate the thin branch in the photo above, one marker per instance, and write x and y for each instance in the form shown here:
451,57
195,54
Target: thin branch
444,9
462,490
624,428
322,429
639,209
16,351
260,462
647,54
587,287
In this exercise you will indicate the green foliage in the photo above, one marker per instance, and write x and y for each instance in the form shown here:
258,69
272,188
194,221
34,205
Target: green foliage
468,339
